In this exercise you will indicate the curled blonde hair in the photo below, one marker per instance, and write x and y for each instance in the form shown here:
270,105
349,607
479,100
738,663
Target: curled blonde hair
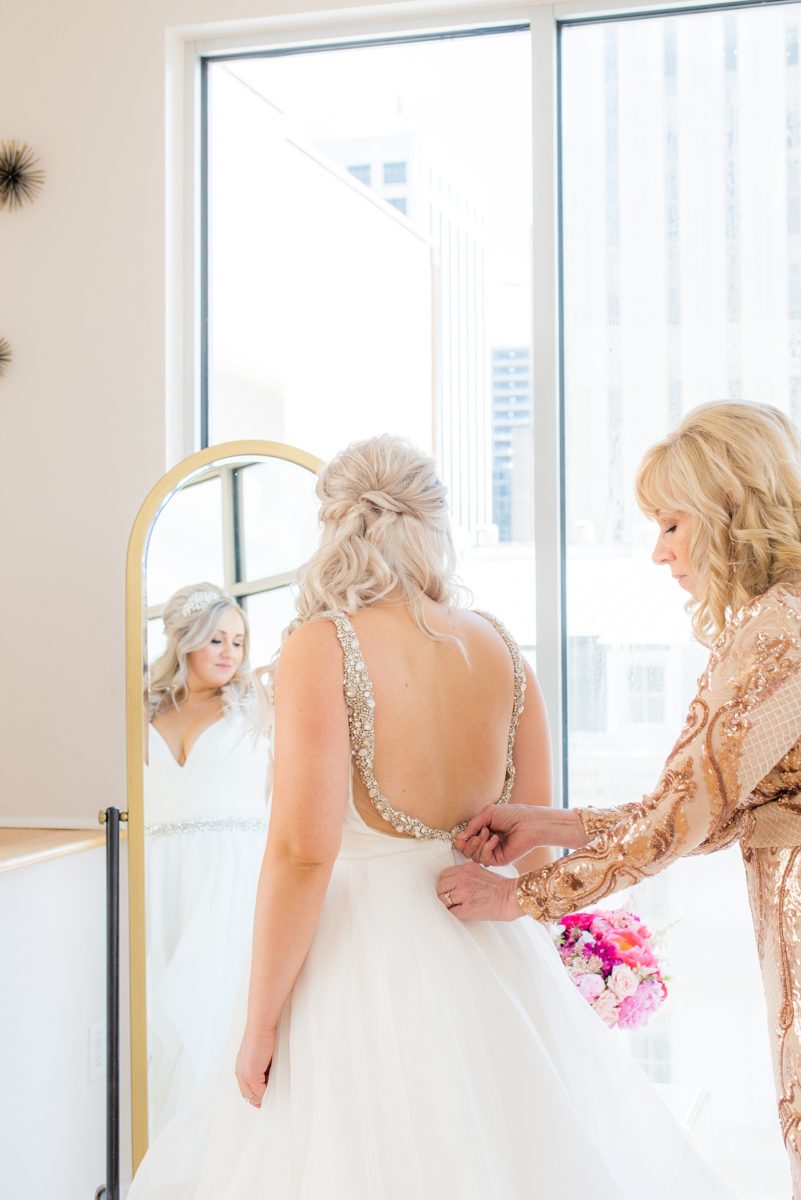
191,615
735,467
386,535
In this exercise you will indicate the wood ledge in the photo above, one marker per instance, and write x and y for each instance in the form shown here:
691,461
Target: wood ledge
25,847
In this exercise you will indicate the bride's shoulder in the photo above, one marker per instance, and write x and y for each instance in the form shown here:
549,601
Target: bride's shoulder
486,623
311,649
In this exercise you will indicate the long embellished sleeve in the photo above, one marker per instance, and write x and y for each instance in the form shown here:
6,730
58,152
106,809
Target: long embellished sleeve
744,718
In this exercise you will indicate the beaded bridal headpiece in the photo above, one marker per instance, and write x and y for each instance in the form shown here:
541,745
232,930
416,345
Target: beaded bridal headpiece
196,601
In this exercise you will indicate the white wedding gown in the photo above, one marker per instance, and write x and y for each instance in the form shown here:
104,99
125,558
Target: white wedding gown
205,832
419,1058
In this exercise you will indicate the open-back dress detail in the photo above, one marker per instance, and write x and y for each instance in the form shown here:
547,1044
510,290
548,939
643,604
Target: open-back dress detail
360,704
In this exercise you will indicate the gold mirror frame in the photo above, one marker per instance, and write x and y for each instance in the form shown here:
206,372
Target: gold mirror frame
181,473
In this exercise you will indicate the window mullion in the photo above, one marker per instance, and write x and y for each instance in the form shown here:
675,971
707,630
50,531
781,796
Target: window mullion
548,522
230,533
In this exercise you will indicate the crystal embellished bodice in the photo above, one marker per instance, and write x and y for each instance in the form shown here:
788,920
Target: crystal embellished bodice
360,704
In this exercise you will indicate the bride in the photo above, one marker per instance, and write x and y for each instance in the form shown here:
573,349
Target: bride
390,1051
206,791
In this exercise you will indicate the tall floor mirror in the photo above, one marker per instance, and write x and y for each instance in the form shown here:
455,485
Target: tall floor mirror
212,558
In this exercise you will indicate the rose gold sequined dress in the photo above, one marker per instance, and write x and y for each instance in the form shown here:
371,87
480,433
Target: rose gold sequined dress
733,775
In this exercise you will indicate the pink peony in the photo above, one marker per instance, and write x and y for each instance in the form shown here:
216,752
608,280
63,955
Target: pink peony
636,1009
619,918
631,948
606,1008
622,981
590,986
600,924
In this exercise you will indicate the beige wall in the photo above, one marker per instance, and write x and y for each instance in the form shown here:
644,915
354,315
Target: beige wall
84,410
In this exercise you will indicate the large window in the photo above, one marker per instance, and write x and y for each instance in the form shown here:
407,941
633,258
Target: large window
681,241
371,239
369,217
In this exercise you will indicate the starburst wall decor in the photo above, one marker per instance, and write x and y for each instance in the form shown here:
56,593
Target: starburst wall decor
5,355
21,179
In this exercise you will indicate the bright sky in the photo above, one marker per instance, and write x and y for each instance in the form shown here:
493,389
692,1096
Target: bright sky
469,98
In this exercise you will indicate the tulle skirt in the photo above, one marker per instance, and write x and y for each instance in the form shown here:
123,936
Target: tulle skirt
419,1057
201,895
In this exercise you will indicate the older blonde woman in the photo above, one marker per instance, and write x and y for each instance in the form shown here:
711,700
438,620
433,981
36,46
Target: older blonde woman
396,714
206,807
725,491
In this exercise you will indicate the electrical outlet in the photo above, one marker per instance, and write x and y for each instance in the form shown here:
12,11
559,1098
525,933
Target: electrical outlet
97,1050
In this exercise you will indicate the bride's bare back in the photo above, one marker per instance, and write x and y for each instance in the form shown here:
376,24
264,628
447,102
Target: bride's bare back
442,717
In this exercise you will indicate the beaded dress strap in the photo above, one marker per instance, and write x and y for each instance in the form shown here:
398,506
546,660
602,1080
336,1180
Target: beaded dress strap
360,705
518,702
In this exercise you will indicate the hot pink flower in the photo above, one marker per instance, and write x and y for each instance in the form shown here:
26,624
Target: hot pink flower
577,920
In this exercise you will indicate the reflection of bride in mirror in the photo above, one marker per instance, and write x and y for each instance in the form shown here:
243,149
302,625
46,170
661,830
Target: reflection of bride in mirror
205,800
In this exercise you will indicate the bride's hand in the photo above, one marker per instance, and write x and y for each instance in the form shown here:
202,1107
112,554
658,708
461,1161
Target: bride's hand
253,1065
472,893
500,834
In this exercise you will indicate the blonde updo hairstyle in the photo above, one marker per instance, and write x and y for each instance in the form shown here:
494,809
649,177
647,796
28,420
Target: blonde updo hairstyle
736,469
191,616
386,534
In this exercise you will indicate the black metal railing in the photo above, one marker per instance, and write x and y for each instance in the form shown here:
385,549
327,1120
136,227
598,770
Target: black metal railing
111,818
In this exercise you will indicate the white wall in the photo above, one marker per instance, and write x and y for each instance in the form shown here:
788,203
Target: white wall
83,408
52,1104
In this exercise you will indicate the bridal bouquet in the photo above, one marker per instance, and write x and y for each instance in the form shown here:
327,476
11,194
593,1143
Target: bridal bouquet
609,957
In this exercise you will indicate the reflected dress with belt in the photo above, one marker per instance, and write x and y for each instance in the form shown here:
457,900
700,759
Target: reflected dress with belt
205,831
733,775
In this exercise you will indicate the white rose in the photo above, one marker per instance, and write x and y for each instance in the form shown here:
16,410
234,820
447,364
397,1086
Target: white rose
606,1007
622,981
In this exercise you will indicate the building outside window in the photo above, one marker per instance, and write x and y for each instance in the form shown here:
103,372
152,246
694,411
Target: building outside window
587,676
646,688
394,172
362,171
512,432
